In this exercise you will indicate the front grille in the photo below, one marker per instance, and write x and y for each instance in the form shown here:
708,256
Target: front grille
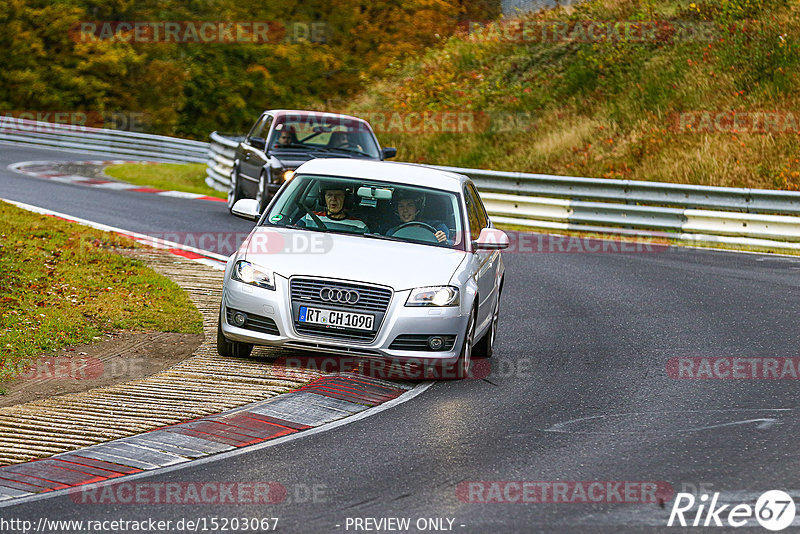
265,325
420,342
371,298
364,336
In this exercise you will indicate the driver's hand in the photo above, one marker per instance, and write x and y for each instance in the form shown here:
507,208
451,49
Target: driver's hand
440,236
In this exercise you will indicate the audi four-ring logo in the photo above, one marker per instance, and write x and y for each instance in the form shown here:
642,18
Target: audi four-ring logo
334,294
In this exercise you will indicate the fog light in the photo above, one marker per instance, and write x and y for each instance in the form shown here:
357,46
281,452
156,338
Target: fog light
239,319
435,343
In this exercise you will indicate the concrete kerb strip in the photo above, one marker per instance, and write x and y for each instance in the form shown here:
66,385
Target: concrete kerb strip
109,473
242,430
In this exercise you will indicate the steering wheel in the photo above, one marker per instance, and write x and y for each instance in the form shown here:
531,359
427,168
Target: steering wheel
417,223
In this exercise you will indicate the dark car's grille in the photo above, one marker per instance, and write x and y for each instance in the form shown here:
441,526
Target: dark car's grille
371,299
258,323
420,342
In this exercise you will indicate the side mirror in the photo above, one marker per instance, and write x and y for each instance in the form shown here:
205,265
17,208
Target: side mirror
258,142
489,239
246,208
389,152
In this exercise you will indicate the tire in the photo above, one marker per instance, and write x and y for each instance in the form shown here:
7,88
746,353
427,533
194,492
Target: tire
234,189
262,194
485,347
461,368
228,348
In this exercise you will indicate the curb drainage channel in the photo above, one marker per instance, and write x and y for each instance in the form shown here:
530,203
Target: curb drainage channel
326,399
201,385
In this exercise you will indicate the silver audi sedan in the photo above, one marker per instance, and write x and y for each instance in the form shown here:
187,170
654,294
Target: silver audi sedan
368,259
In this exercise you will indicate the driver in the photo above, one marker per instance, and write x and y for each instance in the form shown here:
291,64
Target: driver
286,137
407,206
335,197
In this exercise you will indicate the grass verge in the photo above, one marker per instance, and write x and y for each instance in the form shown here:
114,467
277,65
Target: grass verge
62,284
187,177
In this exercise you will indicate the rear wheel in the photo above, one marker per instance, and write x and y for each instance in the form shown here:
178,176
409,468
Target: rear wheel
226,347
234,190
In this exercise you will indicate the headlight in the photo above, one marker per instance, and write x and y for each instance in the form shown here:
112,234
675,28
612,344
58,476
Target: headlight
246,272
433,296
288,175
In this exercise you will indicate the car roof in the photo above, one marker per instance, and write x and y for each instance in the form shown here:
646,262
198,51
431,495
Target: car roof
386,171
278,113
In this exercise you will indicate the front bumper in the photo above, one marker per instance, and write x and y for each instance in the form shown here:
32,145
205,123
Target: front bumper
398,320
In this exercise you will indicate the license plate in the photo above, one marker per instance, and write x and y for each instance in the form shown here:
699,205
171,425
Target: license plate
357,321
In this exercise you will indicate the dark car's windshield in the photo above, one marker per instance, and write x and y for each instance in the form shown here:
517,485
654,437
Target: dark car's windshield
371,208
329,135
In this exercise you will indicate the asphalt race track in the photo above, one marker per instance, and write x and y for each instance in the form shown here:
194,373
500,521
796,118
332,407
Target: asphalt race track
579,392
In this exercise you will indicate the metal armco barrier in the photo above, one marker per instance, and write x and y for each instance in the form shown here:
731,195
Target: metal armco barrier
690,213
221,152
100,140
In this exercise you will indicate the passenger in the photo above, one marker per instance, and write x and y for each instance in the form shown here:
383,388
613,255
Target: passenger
334,195
408,205
347,140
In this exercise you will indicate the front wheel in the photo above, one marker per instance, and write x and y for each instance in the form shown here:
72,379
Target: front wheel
228,348
461,368
485,347
234,190
262,194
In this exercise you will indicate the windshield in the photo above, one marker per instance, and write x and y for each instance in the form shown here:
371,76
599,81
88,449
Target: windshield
326,134
370,208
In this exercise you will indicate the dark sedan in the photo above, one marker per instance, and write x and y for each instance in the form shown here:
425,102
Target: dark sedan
281,140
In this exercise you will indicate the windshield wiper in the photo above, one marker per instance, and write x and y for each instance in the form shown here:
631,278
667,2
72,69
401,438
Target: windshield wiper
381,236
348,150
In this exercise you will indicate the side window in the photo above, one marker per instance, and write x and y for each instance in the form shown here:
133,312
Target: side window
473,216
261,127
484,219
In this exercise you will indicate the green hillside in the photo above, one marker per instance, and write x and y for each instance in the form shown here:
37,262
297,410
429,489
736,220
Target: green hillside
690,92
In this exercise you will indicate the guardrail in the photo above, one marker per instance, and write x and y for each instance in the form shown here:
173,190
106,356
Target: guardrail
221,152
103,141
690,213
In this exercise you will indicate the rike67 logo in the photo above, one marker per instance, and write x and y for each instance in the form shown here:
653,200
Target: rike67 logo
774,510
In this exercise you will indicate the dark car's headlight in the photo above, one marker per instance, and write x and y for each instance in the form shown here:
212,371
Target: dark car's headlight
433,296
246,272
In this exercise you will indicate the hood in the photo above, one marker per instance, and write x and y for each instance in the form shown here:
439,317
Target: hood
292,160
290,252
